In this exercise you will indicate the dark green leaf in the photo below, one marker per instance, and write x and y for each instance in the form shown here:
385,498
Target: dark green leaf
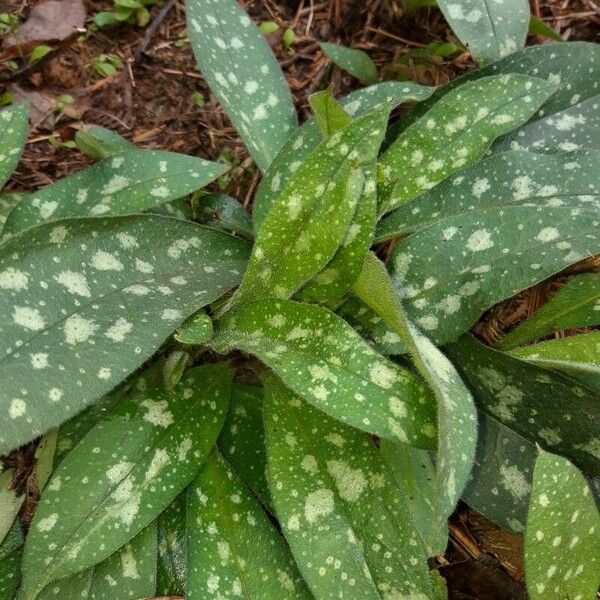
538,27
329,115
13,121
197,331
44,458
171,574
356,62
411,6
10,502
7,203
224,212
10,574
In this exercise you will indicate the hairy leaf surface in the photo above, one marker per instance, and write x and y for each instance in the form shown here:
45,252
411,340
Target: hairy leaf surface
356,62
13,127
171,573
10,574
329,115
196,331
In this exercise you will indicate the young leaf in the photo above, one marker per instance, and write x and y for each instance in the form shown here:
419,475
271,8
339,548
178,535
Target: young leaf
10,502
563,533
242,441
329,115
491,30
242,72
171,575
456,418
538,27
101,280
495,253
349,532
308,137
233,548
313,212
99,142
124,472
224,212
130,182
457,131
13,124
197,331
130,572
542,406
356,62
326,362
10,574
503,179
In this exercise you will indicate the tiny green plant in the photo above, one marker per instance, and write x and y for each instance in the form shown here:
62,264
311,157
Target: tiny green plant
225,404
131,12
106,65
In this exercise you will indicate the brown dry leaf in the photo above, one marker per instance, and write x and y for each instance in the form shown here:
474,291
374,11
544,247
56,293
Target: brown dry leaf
41,106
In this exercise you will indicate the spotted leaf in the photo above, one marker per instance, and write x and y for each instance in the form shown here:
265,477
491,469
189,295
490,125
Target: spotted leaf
101,282
171,573
576,304
456,132
495,253
242,72
503,179
7,204
129,182
540,405
13,124
563,533
10,574
356,62
196,331
349,532
124,472
326,362
10,502
224,212
329,115
129,572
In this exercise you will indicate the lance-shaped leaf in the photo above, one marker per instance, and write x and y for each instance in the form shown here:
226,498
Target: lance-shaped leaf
7,203
99,142
311,216
171,575
124,472
542,406
308,137
224,212
563,533
243,74
491,30
515,177
233,548
457,131
10,502
130,182
576,304
456,418
578,356
356,62
349,532
329,115
10,574
495,253
44,458
321,358
13,128
130,572
242,441
102,281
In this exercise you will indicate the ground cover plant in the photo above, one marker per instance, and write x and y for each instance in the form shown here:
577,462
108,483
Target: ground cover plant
284,404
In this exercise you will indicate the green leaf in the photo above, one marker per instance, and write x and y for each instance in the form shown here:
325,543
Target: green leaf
312,214
491,30
233,548
356,62
10,575
126,183
308,137
495,253
124,472
323,360
503,179
224,212
563,533
576,304
538,404
456,418
349,532
130,572
171,574
99,142
38,53
242,440
538,27
44,458
12,141
457,131
101,280
243,74
410,6
329,115
7,203
10,502
197,331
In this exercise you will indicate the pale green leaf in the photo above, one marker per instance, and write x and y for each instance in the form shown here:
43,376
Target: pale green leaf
576,304
491,30
321,358
349,531
171,573
130,182
542,406
7,203
503,179
563,533
10,502
10,574
13,123
99,142
233,548
329,115
124,472
243,74
454,270
102,281
196,331
224,212
356,62
457,131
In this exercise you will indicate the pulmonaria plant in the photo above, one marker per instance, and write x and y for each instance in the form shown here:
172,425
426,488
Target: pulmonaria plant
260,407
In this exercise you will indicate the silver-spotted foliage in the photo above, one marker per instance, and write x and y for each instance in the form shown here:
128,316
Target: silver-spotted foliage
225,405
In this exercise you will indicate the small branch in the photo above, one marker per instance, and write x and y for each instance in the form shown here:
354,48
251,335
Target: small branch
153,28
